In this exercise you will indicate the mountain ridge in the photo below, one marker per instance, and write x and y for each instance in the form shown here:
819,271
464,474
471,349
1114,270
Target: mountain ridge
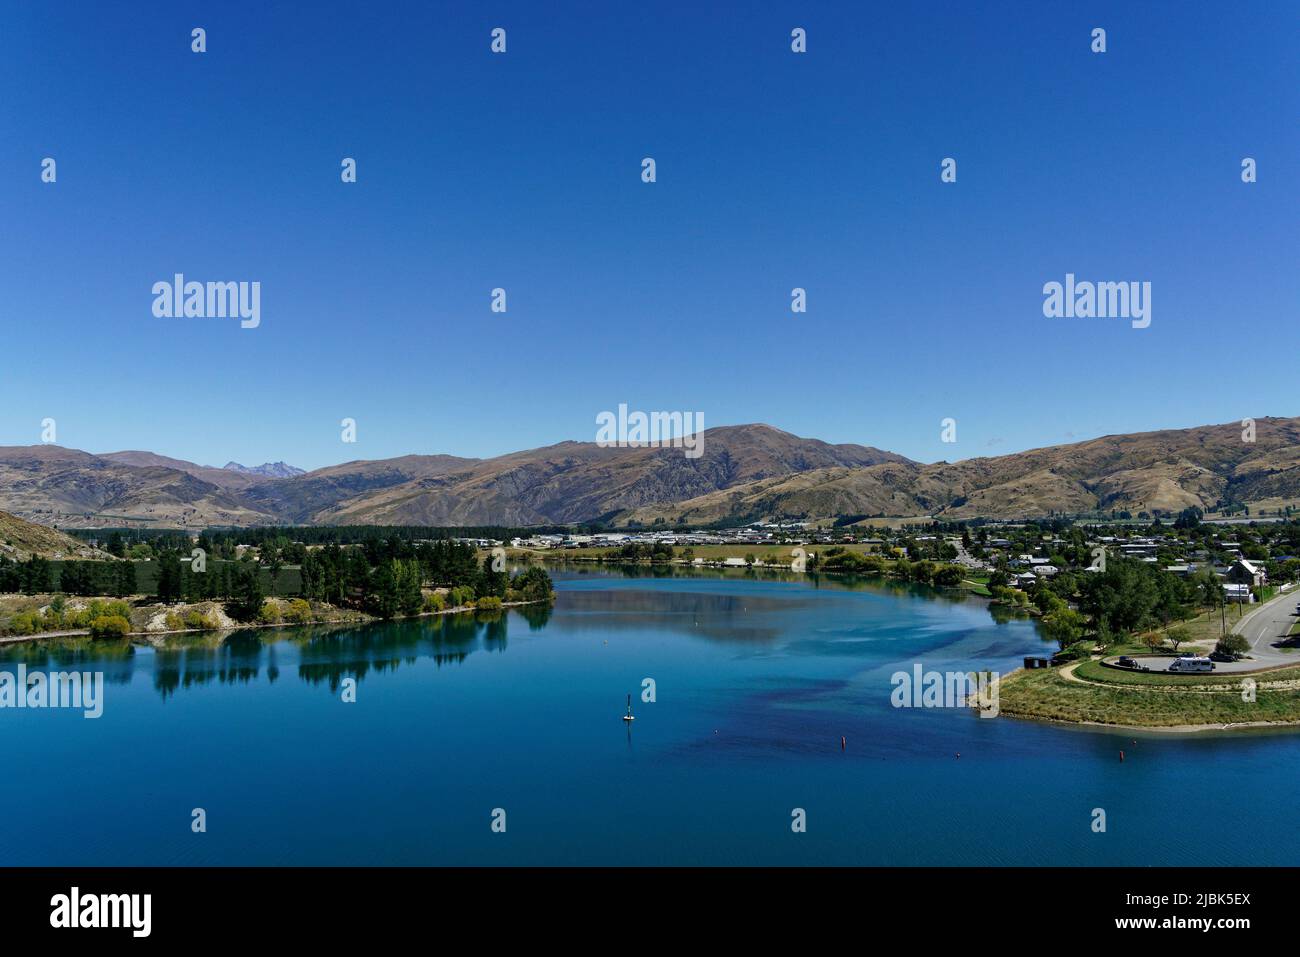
744,471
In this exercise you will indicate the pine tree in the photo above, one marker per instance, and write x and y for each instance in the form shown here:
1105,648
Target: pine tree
410,598
383,598
124,578
248,594
169,577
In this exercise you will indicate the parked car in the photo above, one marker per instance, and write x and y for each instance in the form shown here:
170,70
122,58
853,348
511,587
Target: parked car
1126,662
1224,656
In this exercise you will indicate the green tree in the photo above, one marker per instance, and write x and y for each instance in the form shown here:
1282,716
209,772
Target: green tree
38,576
1064,625
248,594
272,556
491,582
534,584
384,599
409,597
1177,635
124,578
170,581
116,546
1233,644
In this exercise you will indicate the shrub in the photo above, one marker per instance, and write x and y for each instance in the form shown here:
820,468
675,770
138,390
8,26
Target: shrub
461,595
298,612
79,619
1233,644
110,626
489,603
198,620
173,621
24,623
269,613
99,608
436,601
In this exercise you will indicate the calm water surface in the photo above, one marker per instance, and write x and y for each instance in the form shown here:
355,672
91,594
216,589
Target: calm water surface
757,679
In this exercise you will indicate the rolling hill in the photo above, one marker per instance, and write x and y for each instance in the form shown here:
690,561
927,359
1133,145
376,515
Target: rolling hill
745,472
20,540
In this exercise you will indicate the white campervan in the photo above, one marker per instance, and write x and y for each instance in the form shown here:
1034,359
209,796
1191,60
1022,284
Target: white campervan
1191,664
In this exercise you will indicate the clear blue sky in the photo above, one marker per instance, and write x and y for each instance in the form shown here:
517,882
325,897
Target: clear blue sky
775,170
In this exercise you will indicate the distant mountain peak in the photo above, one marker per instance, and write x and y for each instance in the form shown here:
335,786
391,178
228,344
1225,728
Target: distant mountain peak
269,469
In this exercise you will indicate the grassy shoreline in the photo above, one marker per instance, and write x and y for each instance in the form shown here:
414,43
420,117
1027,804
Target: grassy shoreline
1172,703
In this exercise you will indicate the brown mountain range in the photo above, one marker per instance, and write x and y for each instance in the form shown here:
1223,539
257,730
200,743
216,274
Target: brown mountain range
748,471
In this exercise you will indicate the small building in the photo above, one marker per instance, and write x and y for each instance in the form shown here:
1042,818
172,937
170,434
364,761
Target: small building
1238,593
1243,572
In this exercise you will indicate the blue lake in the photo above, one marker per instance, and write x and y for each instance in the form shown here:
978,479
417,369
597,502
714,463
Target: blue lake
756,681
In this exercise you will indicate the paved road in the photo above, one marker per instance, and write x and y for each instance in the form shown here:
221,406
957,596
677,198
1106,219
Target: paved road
1263,627
1162,662
966,558
1267,625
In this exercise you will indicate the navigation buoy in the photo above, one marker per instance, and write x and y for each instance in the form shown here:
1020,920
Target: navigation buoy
959,755
843,741
1121,757
628,716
